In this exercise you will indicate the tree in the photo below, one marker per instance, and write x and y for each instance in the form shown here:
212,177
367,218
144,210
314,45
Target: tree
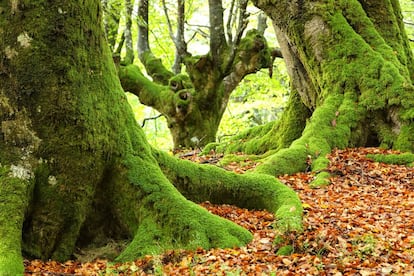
351,69
194,102
75,168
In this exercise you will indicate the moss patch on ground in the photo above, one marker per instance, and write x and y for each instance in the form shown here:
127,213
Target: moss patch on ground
406,158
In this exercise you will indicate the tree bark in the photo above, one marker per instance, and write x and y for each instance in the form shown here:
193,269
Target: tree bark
129,55
351,65
75,168
193,103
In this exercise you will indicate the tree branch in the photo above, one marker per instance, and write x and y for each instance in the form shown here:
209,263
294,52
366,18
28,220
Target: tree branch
143,44
261,22
129,56
241,27
178,39
230,22
167,17
171,100
217,37
153,65
151,118
120,45
180,44
252,55
148,92
242,24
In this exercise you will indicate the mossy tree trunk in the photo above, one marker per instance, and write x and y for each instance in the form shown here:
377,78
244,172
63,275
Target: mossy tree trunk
76,170
193,103
351,64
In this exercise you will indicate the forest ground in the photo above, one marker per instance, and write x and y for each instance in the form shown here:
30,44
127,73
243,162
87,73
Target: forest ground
361,224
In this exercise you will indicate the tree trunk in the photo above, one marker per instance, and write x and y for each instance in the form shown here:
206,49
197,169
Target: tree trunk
76,170
129,50
194,104
352,66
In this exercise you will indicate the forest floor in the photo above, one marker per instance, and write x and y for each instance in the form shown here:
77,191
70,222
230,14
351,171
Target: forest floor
361,224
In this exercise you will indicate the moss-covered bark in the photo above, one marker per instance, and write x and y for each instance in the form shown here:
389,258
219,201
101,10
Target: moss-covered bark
272,136
75,169
252,191
351,65
14,194
179,103
193,103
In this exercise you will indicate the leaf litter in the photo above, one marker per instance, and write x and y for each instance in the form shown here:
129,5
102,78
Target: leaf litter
361,224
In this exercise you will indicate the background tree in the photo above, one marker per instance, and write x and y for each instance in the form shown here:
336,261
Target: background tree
111,19
76,170
194,102
351,69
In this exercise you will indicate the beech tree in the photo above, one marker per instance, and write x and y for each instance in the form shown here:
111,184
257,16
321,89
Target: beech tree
76,169
351,70
193,102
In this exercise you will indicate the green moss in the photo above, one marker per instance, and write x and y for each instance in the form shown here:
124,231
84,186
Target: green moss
167,220
361,74
134,81
322,179
179,82
14,196
156,69
285,161
273,135
253,191
405,139
285,250
320,163
319,136
248,141
182,224
372,67
241,160
254,43
398,159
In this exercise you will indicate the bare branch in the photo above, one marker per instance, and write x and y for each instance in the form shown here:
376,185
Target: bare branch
180,44
276,53
178,38
242,24
197,25
129,57
143,44
167,17
120,45
408,23
217,37
153,65
151,118
261,22
230,21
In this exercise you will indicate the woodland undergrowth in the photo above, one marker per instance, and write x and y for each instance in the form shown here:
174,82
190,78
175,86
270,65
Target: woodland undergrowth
361,224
